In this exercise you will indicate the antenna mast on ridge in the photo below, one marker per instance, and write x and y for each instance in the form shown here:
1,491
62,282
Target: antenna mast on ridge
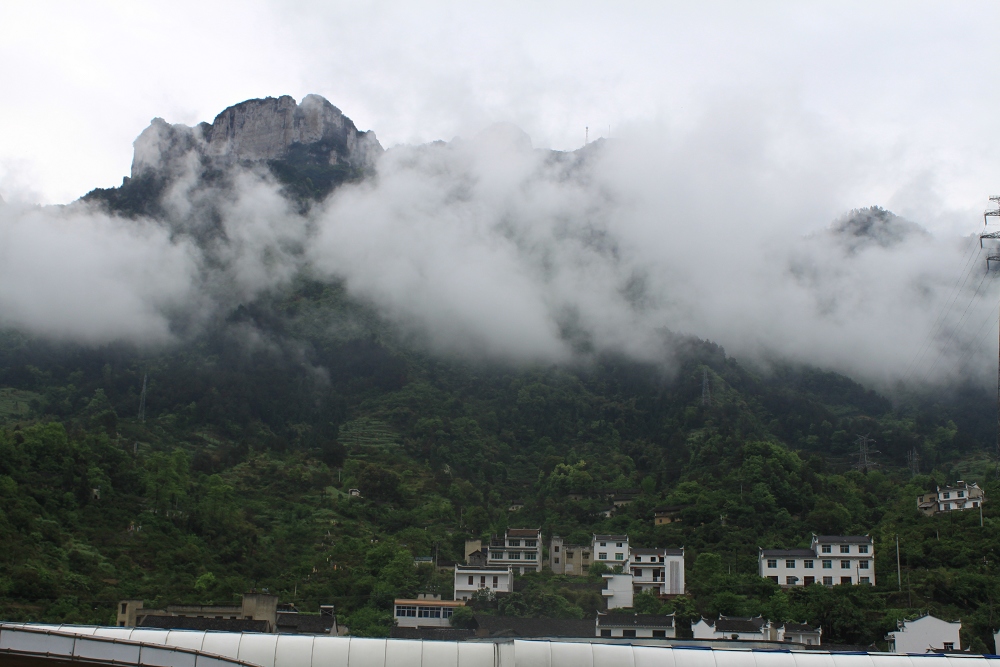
865,464
994,255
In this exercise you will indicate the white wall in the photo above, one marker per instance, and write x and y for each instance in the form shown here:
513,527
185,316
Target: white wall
618,590
925,633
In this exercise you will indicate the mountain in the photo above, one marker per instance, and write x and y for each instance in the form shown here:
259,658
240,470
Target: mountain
197,470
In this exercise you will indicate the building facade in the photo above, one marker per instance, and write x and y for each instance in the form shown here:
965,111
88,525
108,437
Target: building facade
651,626
734,627
571,559
611,550
518,548
962,496
618,592
924,635
471,578
426,611
801,633
830,560
658,570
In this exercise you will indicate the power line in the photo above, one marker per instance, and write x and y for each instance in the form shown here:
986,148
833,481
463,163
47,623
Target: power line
865,464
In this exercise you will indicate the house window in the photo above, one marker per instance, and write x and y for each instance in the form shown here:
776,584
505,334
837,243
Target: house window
975,504
845,565
496,580
531,555
618,544
514,543
514,555
947,495
605,633
659,634
604,544
961,494
949,646
808,564
628,633
845,580
482,581
826,548
828,581
557,548
586,555
790,564
531,543
864,580
557,560
808,581
496,555
863,549
124,607
447,612
774,579
638,559
470,579
619,556
637,573
791,581
845,548
772,562
863,564
602,556
569,554
404,611
827,564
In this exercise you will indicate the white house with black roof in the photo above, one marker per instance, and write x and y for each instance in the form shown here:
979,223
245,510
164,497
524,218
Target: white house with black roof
657,570
611,550
651,626
830,560
801,633
734,627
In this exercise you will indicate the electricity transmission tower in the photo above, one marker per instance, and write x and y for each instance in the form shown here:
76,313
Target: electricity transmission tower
142,401
706,390
865,464
993,254
913,462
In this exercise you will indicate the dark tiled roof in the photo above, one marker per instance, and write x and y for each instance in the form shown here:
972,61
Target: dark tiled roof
799,627
788,552
844,539
611,538
634,621
510,626
522,532
183,623
443,634
477,568
737,624
304,624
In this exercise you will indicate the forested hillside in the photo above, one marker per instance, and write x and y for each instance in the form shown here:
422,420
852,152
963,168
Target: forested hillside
231,472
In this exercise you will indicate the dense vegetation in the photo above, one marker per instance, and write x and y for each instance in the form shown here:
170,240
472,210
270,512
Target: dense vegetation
253,431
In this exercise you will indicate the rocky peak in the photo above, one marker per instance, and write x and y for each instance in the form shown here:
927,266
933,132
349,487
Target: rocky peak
262,130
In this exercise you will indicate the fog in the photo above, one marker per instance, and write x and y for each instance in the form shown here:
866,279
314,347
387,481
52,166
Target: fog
486,247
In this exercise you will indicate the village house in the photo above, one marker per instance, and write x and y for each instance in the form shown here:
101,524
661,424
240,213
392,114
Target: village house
657,570
665,515
618,592
518,548
926,634
471,578
829,560
427,611
800,633
258,612
735,627
635,625
962,496
571,559
611,550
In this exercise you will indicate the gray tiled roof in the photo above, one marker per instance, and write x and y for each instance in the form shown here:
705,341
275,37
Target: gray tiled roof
844,539
781,553
739,624
187,623
611,620
510,626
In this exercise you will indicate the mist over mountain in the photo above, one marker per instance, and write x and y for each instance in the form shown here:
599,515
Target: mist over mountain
487,247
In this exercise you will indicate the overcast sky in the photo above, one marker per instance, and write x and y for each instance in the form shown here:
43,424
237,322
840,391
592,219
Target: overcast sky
910,90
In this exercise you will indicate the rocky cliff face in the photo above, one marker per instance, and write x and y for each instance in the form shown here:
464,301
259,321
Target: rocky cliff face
261,130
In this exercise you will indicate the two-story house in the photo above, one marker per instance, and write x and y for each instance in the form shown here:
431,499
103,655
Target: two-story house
471,578
518,548
829,560
572,559
657,570
962,496
611,550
